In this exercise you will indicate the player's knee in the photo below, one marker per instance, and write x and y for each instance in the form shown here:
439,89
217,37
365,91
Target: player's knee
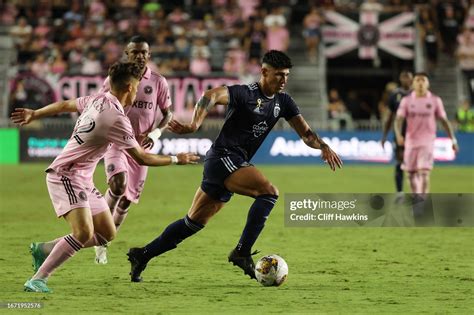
110,234
268,189
124,203
118,183
84,233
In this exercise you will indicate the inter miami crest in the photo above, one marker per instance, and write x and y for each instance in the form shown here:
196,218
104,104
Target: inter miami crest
428,106
148,89
83,196
276,110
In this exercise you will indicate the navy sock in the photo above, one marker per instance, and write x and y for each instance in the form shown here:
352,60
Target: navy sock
399,177
174,234
258,214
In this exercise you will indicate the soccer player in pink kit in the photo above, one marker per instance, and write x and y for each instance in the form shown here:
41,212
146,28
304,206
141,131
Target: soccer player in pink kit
69,178
420,108
125,177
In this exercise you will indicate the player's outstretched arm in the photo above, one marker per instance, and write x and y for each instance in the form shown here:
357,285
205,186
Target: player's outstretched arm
212,97
311,139
23,116
397,127
449,130
144,158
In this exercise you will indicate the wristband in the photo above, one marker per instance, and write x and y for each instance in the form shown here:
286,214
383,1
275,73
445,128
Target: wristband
174,159
155,135
455,141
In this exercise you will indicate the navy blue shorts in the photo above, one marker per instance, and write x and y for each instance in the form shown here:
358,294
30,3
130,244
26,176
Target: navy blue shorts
216,169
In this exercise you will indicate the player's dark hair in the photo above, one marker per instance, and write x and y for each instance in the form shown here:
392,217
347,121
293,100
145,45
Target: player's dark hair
421,74
121,73
138,39
277,59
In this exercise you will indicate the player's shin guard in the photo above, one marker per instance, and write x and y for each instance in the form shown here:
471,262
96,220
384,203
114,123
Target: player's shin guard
112,200
174,234
258,214
399,177
64,249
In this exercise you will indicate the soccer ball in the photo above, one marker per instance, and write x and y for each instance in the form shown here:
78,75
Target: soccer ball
271,270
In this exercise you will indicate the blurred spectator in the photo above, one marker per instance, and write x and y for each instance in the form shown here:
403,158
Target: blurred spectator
255,40
449,23
465,55
431,41
8,12
21,33
469,19
40,66
97,11
199,65
338,116
465,117
58,66
359,110
248,8
91,65
275,17
200,48
74,15
312,33
278,37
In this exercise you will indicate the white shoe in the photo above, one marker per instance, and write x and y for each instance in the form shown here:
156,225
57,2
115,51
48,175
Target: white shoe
399,197
100,255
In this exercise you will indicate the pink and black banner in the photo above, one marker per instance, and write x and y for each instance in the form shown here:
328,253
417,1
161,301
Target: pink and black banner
369,33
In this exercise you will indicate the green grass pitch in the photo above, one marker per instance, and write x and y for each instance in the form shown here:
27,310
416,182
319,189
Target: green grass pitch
331,270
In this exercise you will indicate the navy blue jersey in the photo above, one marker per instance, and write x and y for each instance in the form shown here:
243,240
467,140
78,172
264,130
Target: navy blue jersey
249,118
394,101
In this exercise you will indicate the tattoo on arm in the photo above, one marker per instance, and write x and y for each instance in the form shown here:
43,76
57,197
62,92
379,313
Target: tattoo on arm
312,139
205,103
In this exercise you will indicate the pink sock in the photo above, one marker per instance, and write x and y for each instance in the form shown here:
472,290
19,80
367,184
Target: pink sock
64,249
119,216
96,240
112,200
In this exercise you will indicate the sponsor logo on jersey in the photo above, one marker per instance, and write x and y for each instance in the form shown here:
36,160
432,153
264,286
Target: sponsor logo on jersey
259,129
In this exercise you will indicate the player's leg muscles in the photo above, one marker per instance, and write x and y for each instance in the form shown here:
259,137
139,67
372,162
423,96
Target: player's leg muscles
203,207
118,183
104,228
249,181
80,220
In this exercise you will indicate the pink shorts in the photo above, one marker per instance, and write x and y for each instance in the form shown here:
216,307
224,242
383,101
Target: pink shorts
68,193
418,158
118,161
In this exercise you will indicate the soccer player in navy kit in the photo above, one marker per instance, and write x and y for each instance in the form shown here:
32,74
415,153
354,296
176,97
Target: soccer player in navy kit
406,80
252,111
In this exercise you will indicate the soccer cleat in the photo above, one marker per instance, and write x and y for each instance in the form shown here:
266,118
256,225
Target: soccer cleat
136,259
244,262
100,255
38,255
37,285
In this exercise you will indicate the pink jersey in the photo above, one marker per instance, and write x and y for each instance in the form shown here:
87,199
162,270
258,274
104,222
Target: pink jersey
153,94
420,114
101,123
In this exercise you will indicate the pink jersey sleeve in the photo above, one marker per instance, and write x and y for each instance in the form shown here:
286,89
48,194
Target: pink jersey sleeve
439,110
121,134
402,109
163,98
105,86
81,102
